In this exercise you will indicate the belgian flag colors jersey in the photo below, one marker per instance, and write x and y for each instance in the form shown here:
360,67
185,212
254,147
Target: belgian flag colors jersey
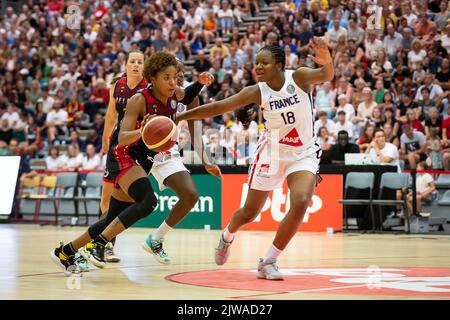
121,95
122,158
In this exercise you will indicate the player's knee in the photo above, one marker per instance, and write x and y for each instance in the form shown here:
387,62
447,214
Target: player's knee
142,192
300,200
147,206
190,197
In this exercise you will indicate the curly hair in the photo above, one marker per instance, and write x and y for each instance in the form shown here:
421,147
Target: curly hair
158,62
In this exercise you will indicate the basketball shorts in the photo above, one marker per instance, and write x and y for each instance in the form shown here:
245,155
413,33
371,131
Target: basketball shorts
122,159
268,172
166,164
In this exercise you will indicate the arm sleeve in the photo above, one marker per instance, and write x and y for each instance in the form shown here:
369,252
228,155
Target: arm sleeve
191,92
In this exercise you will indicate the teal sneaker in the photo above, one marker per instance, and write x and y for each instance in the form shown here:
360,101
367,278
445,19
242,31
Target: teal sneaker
81,262
110,255
155,247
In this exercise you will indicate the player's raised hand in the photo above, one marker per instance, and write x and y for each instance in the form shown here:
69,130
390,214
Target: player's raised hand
214,170
320,47
206,78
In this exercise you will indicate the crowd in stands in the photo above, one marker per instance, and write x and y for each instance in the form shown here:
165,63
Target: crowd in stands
391,73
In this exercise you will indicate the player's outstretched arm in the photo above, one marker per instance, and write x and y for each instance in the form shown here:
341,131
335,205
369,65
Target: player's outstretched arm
187,95
246,96
135,108
307,76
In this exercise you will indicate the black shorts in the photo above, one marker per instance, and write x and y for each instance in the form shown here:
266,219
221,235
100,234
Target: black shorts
423,157
120,159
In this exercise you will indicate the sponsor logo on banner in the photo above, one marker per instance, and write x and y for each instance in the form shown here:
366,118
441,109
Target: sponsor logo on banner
206,212
323,212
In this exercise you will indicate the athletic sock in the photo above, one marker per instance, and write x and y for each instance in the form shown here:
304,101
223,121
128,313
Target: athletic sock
69,250
227,235
163,229
101,239
272,253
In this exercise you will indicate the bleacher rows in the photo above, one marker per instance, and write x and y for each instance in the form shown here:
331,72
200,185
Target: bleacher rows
263,14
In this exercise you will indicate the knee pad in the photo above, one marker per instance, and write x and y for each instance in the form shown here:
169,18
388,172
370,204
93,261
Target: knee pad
145,207
142,192
138,189
115,208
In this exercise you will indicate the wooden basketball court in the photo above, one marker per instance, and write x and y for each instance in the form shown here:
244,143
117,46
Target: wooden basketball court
317,266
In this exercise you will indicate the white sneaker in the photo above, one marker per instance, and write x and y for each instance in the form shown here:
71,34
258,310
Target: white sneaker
110,256
268,270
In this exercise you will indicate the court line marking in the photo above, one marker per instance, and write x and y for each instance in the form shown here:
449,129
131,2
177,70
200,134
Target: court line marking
168,278
208,263
299,291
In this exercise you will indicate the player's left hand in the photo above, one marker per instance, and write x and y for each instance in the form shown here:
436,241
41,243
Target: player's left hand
320,47
214,170
206,78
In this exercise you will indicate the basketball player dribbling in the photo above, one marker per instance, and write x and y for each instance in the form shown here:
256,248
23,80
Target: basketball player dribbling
287,150
167,168
130,161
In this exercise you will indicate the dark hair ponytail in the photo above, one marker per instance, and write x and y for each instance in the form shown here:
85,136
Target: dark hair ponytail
115,79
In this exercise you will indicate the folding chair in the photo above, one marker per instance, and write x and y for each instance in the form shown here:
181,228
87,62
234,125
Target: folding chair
443,181
360,181
445,200
28,188
64,196
93,191
45,190
394,181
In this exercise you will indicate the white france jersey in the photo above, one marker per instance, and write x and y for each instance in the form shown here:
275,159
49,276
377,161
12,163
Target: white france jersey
289,115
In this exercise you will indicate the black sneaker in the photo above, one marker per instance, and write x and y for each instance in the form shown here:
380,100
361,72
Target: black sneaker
67,263
94,252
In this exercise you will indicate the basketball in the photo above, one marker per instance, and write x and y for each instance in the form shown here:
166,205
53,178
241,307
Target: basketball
160,134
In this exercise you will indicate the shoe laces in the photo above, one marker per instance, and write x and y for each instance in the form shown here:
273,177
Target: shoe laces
272,264
157,247
79,259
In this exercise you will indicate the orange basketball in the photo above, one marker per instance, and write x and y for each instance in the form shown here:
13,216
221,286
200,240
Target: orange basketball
160,134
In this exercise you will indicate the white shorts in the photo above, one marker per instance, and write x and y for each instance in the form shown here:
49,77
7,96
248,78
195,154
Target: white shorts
166,167
266,174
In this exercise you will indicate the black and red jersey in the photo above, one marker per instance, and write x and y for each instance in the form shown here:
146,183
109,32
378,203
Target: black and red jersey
122,93
153,106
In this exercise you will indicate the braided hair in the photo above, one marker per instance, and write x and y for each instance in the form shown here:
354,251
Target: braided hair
276,52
